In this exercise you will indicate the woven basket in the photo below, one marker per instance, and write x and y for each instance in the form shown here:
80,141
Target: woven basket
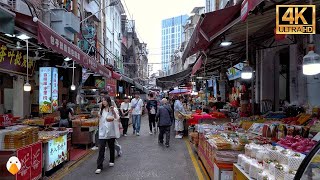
294,162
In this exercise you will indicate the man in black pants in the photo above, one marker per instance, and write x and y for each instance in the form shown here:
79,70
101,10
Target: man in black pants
152,107
165,116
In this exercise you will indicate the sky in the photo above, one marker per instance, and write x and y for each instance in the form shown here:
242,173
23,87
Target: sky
148,15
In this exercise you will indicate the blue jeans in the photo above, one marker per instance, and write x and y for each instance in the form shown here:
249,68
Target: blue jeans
136,121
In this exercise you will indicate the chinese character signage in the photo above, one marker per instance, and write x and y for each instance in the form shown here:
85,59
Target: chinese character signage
55,89
48,89
111,86
14,61
61,45
31,162
57,152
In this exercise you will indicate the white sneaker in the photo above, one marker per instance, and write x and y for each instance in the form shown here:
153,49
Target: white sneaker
111,164
125,135
94,148
180,136
177,137
98,171
150,133
138,134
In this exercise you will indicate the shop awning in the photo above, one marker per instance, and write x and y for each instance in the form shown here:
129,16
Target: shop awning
210,26
127,79
116,76
138,86
197,65
247,6
7,21
56,42
175,79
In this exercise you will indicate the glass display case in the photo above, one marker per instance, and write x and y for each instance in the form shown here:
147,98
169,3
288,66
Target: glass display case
310,166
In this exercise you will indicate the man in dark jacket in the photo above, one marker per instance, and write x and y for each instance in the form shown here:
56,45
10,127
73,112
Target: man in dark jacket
165,116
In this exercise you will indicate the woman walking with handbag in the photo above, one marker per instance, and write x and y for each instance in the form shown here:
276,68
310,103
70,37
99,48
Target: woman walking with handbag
108,132
124,111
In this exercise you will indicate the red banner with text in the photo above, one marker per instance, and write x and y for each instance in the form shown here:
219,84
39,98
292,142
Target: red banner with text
31,162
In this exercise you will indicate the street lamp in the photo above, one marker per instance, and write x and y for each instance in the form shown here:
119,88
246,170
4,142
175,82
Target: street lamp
246,72
111,4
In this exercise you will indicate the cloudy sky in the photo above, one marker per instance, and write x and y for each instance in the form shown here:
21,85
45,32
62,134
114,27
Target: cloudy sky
148,15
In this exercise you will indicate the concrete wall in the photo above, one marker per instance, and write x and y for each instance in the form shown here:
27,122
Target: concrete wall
313,82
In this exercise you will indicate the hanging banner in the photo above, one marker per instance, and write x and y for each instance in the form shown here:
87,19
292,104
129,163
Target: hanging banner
45,105
111,87
235,71
31,162
100,83
55,93
15,61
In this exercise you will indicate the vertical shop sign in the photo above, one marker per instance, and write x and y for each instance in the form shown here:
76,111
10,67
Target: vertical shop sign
45,90
31,162
55,89
111,86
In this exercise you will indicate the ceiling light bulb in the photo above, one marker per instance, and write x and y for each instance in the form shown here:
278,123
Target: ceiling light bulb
67,59
27,87
23,37
311,64
226,43
10,35
73,87
246,72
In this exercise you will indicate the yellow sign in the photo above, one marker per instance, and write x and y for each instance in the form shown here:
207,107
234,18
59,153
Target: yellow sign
296,19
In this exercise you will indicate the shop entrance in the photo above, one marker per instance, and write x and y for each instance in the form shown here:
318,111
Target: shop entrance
284,76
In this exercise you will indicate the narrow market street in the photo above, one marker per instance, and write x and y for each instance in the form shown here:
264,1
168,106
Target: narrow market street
143,158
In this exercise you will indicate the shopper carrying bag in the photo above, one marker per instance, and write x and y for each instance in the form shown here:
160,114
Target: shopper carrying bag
108,132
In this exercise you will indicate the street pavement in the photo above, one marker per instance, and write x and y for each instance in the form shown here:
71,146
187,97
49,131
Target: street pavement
142,158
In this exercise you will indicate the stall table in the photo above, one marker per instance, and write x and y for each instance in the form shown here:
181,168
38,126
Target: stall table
196,117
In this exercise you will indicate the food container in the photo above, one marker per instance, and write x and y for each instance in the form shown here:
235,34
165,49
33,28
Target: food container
246,165
289,175
263,175
247,150
266,164
272,168
283,156
254,170
240,159
280,171
261,155
294,161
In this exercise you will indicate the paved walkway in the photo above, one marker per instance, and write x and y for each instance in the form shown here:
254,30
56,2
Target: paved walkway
143,158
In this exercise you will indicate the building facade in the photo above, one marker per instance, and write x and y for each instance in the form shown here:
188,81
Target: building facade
172,37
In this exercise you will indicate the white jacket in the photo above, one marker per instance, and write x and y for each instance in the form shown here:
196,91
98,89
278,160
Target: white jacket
108,130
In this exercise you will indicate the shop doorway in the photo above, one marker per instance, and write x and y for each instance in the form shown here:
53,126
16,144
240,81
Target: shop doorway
284,76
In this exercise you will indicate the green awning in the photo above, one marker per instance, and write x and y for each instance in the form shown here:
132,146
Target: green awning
6,21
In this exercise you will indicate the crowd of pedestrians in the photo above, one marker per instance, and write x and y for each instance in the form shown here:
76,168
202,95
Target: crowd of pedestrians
162,114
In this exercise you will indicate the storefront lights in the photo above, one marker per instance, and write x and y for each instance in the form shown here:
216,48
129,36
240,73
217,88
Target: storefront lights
67,59
246,72
225,43
23,37
311,63
27,87
73,87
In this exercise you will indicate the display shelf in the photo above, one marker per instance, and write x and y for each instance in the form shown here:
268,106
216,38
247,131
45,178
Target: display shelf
239,174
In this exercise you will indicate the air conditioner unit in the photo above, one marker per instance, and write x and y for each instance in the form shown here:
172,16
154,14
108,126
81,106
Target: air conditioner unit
119,37
4,2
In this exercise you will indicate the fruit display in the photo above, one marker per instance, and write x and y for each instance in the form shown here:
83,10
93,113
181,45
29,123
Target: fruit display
297,143
45,107
85,122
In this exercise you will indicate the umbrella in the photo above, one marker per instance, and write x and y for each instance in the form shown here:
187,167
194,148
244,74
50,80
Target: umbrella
179,91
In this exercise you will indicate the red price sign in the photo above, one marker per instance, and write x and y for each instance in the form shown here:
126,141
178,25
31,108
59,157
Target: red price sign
6,119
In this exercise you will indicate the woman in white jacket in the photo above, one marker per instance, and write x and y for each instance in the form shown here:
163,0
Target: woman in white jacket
108,131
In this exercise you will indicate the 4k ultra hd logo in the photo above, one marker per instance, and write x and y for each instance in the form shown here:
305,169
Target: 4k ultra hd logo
296,19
